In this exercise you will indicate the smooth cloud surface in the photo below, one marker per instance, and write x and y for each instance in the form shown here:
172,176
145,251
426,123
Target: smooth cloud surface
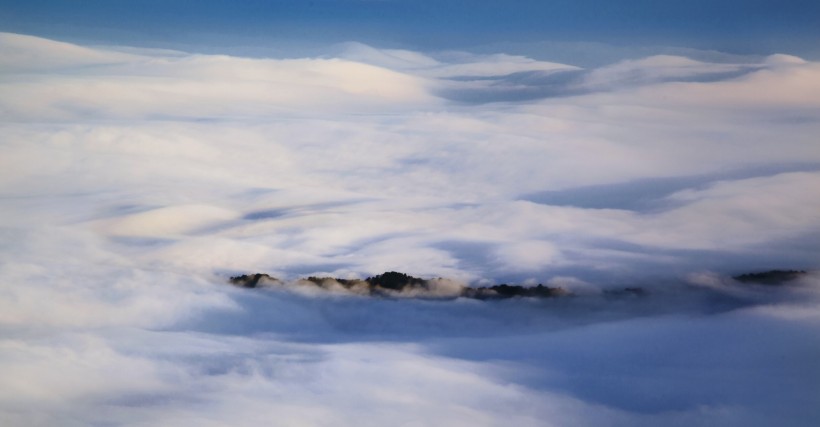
134,182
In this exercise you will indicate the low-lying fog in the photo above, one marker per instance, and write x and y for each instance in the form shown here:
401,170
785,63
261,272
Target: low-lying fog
134,183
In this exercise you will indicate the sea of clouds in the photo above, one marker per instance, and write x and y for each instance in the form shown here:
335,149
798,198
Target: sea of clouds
134,182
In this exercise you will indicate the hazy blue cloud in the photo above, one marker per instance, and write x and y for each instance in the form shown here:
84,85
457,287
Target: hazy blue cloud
650,194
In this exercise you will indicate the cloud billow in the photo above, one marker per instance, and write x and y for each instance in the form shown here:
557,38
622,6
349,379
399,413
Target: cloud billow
135,181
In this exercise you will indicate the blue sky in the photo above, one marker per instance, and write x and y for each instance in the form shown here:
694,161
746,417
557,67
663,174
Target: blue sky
740,26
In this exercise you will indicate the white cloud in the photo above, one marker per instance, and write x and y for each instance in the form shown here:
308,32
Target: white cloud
133,86
744,212
166,221
780,84
133,182
527,255
28,53
395,59
467,65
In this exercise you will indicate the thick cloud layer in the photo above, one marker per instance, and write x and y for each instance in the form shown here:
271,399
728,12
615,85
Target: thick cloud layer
135,181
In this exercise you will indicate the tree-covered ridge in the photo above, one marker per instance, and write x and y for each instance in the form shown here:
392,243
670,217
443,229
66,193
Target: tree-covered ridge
395,284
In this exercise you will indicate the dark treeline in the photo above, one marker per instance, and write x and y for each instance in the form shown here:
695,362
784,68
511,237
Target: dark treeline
395,284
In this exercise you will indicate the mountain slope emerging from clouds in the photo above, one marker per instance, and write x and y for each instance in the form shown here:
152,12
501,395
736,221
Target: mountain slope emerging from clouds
395,284
400,285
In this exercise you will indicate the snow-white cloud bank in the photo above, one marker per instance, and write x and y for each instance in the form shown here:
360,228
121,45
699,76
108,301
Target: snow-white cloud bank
133,182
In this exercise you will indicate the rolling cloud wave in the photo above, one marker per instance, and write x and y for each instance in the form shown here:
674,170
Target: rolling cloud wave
134,182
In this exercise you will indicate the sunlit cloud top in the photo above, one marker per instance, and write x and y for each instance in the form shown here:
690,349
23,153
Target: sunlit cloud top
457,164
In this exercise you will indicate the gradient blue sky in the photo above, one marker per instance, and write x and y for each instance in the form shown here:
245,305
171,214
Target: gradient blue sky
737,26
